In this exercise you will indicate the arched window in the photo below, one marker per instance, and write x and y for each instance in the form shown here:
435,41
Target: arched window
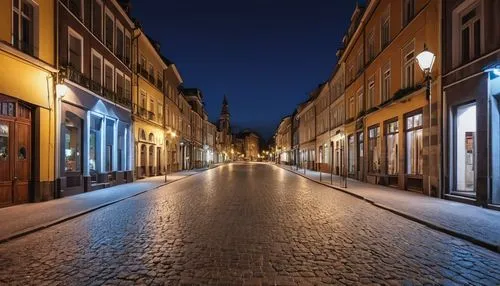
151,137
142,134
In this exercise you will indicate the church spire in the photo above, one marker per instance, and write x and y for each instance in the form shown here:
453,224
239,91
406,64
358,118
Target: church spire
225,107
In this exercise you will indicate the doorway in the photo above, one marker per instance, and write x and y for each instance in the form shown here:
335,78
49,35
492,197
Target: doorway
15,152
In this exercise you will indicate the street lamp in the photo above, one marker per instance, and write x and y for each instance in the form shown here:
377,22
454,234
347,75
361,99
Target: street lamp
61,90
425,61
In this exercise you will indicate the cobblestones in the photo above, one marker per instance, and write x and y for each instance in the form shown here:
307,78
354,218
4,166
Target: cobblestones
244,224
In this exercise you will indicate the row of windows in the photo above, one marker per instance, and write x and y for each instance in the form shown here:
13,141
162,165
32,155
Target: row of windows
102,73
104,25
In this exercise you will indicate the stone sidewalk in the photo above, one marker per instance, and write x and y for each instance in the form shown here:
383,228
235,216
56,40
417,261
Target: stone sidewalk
22,219
475,224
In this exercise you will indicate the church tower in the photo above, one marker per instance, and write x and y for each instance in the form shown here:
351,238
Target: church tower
224,124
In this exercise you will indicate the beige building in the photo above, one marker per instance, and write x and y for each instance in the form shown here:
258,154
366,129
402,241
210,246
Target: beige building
148,107
386,110
306,116
283,141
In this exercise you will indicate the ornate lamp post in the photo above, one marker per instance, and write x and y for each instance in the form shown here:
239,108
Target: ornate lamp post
425,61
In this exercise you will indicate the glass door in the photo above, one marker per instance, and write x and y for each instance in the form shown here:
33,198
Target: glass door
465,149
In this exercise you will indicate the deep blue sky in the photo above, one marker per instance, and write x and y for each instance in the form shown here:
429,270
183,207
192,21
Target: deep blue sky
264,54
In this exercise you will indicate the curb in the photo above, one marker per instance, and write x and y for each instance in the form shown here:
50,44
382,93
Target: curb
89,210
471,239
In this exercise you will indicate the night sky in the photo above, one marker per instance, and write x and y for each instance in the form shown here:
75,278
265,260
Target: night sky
265,55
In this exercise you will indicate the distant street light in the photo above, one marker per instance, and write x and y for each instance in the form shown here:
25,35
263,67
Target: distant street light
425,61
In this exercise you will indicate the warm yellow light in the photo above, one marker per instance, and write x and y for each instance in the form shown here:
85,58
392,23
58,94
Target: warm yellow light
61,90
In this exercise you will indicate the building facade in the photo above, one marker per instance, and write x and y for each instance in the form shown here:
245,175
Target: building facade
283,141
28,78
94,44
306,116
148,106
387,125
471,92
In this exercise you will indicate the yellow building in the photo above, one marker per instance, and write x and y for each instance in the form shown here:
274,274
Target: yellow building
387,110
148,101
27,101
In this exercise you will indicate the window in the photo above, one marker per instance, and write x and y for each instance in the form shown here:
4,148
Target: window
96,68
360,100
97,18
408,66
108,76
127,88
359,61
24,26
352,155
75,51
408,11
119,49
361,149
159,111
374,149
110,136
95,143
119,83
414,145
352,108
386,85
392,144
385,36
76,7
109,33
470,39
465,148
72,143
371,93
370,46
128,48
143,100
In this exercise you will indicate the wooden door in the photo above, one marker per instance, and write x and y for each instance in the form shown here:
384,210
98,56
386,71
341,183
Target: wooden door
6,161
22,172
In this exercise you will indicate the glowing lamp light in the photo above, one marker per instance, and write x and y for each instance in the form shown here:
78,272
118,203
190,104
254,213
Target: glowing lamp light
425,60
61,90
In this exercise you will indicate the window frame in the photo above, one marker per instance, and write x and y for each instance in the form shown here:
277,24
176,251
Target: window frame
34,20
119,72
405,51
109,64
405,20
371,93
92,54
406,130
387,132
383,87
98,2
75,34
109,13
119,26
457,13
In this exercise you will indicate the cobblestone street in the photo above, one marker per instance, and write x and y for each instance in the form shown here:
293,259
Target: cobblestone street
250,224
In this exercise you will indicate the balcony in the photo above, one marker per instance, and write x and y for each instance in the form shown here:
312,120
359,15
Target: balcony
120,97
159,84
140,111
142,71
151,78
151,115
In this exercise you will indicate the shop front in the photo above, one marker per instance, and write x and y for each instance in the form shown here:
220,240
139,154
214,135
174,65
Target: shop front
472,167
95,143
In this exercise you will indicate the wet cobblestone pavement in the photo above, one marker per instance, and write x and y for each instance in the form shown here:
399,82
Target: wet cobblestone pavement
250,224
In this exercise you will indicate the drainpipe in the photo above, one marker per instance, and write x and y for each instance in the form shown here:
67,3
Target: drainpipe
56,110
